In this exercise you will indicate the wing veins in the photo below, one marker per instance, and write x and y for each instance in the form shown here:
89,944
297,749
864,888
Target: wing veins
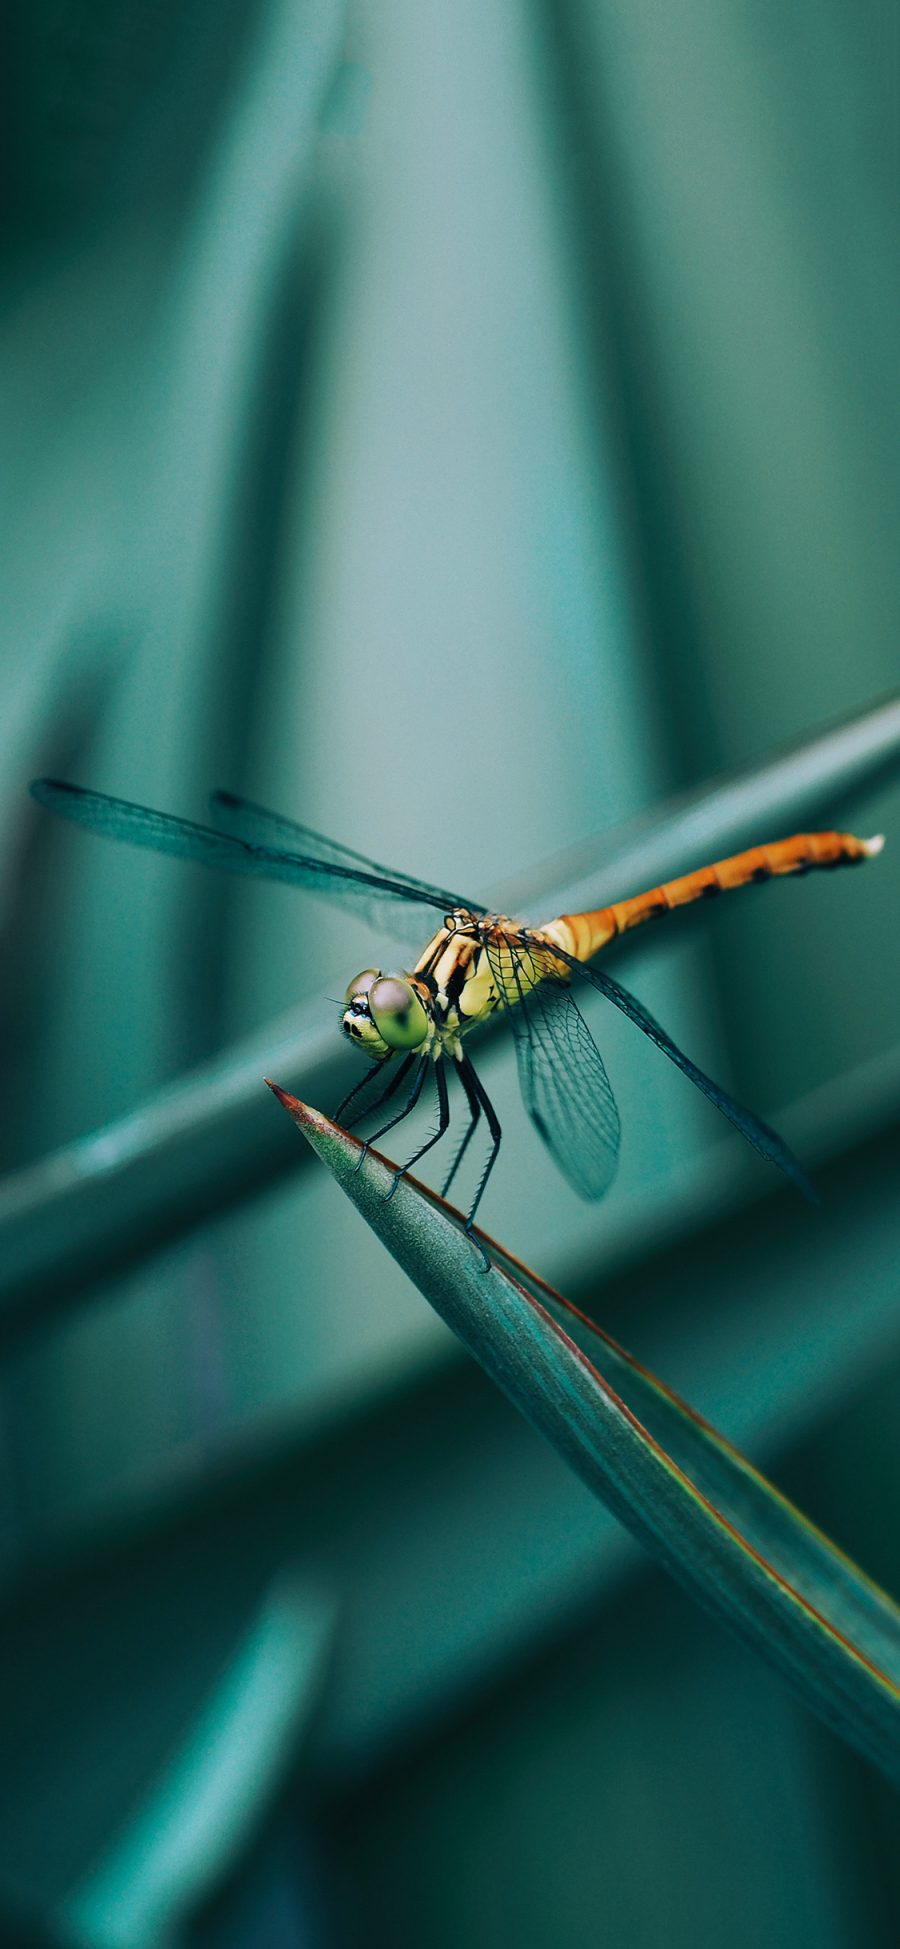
764,1140
256,825
564,1084
142,826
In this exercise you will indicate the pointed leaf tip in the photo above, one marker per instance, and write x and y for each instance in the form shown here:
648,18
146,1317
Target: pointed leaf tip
290,1103
318,1129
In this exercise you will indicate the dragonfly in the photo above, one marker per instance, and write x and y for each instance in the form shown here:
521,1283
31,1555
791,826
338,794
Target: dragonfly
413,1023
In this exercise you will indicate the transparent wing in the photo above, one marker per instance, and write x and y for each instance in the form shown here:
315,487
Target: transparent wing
563,1080
757,1133
257,826
138,825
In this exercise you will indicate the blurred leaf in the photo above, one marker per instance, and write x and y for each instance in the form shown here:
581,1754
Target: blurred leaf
152,1792
202,1144
24,1927
716,1523
194,1819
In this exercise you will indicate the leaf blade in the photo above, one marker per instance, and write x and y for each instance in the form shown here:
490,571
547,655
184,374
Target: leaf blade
827,1628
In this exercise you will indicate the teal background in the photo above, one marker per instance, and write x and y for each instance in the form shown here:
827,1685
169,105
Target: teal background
460,428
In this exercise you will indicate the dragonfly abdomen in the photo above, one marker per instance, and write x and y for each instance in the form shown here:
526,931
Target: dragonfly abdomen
583,935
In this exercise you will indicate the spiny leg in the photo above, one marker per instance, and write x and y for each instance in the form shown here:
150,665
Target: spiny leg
435,1138
408,1106
364,1082
493,1124
474,1114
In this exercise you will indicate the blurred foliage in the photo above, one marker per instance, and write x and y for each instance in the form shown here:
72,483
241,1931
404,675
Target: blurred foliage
463,429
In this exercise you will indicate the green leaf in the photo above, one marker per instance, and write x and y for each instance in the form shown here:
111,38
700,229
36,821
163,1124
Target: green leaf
187,1758
205,1143
187,1830
744,1551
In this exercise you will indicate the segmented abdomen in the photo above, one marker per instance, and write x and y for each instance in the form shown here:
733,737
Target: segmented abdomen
585,934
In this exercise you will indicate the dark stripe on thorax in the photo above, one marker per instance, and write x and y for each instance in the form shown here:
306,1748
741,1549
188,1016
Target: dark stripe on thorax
460,972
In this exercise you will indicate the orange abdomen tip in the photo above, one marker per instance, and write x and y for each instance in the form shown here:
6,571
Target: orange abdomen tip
585,934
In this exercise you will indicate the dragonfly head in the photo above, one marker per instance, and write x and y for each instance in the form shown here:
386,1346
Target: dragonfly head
384,1013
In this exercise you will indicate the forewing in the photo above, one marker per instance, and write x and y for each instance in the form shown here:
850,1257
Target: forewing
757,1133
257,826
563,1080
138,825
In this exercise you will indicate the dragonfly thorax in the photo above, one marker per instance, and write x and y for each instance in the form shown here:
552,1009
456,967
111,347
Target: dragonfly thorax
462,969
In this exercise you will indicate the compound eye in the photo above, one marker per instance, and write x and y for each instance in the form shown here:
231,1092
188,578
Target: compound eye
360,985
397,1012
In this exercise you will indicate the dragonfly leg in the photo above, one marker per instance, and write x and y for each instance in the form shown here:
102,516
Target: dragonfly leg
364,1082
493,1123
474,1114
435,1138
409,1105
